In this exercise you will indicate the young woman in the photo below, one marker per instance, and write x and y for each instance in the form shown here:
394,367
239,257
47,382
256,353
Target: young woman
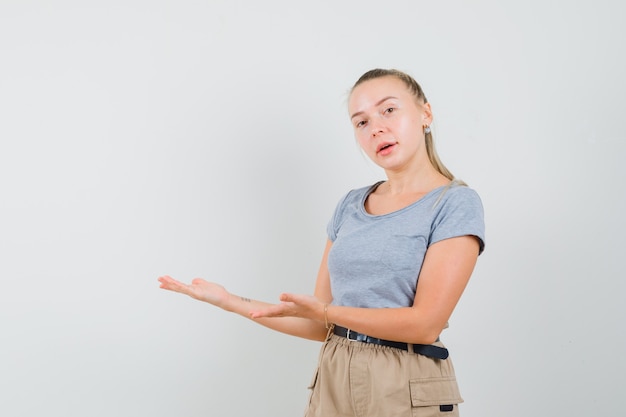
398,257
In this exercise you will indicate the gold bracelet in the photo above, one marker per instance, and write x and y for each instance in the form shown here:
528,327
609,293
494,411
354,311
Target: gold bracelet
326,316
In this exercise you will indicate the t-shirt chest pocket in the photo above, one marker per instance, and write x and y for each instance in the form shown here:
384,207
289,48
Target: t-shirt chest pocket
403,253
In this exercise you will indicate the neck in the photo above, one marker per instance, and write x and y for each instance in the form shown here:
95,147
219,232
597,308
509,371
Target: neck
419,180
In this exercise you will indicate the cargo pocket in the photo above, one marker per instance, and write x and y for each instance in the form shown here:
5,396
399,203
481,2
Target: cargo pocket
435,397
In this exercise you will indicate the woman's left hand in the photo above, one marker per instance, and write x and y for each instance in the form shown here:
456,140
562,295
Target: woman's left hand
293,305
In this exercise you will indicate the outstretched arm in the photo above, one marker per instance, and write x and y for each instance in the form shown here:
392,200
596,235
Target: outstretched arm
310,327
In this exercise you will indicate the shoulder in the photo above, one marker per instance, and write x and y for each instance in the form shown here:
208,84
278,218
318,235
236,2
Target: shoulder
459,195
349,204
357,195
459,211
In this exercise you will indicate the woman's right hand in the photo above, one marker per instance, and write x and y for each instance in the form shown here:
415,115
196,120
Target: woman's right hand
199,289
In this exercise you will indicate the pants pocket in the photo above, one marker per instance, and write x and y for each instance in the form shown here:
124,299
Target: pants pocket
435,397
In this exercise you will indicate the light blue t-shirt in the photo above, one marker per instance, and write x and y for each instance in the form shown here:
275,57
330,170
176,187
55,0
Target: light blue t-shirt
375,261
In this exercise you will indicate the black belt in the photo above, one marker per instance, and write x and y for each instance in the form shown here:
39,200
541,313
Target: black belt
426,350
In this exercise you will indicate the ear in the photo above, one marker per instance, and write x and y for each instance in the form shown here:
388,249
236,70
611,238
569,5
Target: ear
427,116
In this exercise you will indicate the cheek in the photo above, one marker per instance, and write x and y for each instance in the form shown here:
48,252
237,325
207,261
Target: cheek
408,124
412,129
361,139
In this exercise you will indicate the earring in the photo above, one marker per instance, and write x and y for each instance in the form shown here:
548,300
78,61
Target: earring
426,130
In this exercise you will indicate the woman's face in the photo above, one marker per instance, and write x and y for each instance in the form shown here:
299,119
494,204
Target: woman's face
389,122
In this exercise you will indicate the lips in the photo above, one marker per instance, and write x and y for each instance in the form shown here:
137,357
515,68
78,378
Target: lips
385,147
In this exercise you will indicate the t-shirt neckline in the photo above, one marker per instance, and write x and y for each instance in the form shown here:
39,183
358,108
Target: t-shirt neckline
374,186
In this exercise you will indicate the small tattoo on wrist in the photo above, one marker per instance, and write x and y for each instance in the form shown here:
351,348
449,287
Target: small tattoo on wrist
247,300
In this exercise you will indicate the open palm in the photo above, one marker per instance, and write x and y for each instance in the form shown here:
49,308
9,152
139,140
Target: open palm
199,289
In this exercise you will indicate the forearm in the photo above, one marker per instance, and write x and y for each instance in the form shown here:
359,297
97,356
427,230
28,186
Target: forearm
406,324
294,326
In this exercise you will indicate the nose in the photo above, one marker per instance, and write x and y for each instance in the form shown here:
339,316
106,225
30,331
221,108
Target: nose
376,128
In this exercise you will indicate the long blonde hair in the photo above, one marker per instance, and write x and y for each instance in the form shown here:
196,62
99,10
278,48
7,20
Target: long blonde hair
417,91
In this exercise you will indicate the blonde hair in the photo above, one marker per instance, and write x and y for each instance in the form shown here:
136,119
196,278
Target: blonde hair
417,91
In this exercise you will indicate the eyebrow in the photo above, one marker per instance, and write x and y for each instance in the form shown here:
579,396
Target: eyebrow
378,103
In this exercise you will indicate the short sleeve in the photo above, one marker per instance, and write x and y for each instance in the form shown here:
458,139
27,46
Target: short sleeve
459,213
334,223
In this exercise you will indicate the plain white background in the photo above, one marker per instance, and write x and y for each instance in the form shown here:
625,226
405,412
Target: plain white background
211,138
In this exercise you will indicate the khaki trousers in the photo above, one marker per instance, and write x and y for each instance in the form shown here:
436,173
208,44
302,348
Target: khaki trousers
356,379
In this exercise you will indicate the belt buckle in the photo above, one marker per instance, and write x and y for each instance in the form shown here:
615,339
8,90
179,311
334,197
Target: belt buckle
358,337
348,331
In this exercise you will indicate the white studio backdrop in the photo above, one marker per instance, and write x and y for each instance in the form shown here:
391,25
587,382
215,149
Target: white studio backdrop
211,138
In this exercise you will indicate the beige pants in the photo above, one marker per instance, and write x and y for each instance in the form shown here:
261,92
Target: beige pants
356,379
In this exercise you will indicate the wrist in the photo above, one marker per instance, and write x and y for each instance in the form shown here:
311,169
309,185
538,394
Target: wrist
230,302
326,321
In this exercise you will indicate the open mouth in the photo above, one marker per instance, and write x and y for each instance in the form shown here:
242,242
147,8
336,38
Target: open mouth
385,146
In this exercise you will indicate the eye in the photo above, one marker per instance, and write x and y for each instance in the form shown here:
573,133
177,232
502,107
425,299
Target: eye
389,110
360,123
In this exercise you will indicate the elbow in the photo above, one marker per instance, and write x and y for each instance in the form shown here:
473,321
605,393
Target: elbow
426,327
426,334
426,338
432,338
